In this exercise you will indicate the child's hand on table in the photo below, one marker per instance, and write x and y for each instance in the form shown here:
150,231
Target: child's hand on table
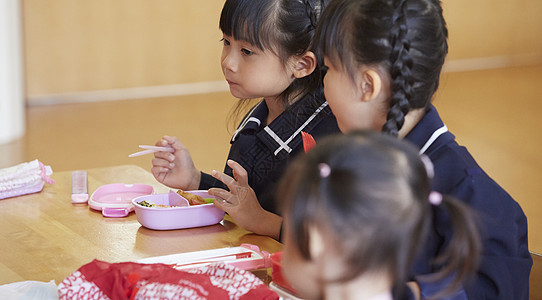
176,170
242,204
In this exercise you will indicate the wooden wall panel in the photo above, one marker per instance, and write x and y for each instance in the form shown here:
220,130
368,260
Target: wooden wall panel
92,45
89,45
486,28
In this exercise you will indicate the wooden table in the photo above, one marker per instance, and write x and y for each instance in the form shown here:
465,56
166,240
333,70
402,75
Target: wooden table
44,236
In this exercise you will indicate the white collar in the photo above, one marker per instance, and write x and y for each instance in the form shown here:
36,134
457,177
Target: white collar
433,138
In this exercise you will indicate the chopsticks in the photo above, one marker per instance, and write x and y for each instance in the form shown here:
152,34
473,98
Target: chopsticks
246,257
151,149
209,260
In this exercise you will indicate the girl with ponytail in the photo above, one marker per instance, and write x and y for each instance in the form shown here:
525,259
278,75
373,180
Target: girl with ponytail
358,209
383,61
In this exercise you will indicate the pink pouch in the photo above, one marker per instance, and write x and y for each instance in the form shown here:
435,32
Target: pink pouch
24,178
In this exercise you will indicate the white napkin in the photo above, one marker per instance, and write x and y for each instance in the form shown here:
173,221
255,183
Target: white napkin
29,290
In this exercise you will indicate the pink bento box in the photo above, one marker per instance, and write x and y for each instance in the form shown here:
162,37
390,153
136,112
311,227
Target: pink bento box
160,218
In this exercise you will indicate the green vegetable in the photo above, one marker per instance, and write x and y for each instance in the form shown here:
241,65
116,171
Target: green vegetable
146,204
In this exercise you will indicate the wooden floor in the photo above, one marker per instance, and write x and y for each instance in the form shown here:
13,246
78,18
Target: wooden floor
496,113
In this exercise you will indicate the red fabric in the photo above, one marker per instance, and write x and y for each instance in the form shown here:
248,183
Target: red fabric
113,279
128,280
308,141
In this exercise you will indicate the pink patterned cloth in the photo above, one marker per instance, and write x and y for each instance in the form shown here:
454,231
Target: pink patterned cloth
102,280
24,178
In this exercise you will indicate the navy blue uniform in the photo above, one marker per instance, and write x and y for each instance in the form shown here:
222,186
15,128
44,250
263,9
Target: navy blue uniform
264,151
505,262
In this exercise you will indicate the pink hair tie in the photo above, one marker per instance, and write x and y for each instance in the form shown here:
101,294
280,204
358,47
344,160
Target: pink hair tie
435,198
325,170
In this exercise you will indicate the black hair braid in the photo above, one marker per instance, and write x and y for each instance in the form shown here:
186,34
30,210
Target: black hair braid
311,13
314,10
400,70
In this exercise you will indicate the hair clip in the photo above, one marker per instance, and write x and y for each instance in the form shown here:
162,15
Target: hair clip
435,198
325,170
429,169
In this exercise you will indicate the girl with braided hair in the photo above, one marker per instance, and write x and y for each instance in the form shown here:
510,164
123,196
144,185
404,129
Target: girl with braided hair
384,59
266,54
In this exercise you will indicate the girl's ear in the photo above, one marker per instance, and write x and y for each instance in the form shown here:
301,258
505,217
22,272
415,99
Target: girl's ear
304,64
316,243
370,84
329,264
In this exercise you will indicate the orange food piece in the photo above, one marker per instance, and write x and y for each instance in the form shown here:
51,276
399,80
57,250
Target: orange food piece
192,199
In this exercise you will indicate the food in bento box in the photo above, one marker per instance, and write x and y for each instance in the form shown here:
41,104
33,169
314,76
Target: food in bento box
148,204
192,199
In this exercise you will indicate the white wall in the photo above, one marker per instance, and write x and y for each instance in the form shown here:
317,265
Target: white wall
12,105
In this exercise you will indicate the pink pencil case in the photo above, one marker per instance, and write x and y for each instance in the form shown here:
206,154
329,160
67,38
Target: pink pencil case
24,178
246,257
